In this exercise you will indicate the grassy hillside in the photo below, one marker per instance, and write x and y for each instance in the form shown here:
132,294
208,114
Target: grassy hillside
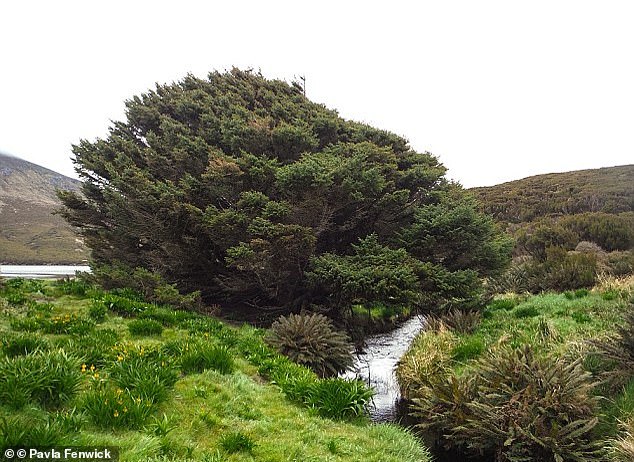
609,190
168,385
30,233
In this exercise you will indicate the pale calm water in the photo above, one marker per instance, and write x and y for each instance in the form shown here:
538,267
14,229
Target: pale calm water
376,365
40,271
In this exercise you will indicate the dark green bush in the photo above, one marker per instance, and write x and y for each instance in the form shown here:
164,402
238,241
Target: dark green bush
581,317
145,327
610,295
311,340
515,406
580,293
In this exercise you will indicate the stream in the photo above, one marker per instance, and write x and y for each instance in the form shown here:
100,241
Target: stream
376,364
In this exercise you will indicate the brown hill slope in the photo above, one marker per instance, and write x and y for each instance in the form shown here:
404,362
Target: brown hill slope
29,232
609,190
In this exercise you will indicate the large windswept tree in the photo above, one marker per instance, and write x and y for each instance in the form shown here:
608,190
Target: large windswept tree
242,188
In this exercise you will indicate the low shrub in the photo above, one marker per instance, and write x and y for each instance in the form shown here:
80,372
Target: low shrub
338,398
145,327
311,340
49,378
515,406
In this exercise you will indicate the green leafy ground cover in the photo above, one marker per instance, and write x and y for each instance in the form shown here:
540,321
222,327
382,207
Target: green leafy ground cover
80,367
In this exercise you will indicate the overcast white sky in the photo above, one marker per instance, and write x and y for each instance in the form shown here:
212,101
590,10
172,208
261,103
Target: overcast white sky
498,90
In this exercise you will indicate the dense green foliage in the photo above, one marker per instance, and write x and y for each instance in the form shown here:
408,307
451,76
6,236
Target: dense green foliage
242,188
196,391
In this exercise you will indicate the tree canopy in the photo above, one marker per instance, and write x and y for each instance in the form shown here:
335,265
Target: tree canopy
244,189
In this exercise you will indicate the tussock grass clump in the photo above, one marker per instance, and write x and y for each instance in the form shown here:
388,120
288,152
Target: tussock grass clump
112,408
96,348
470,347
311,340
621,448
236,442
145,327
338,398
461,321
618,350
61,324
429,356
149,374
74,286
125,306
515,406
28,431
22,344
202,356
48,378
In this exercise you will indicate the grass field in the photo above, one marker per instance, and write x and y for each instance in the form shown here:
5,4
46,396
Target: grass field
77,369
